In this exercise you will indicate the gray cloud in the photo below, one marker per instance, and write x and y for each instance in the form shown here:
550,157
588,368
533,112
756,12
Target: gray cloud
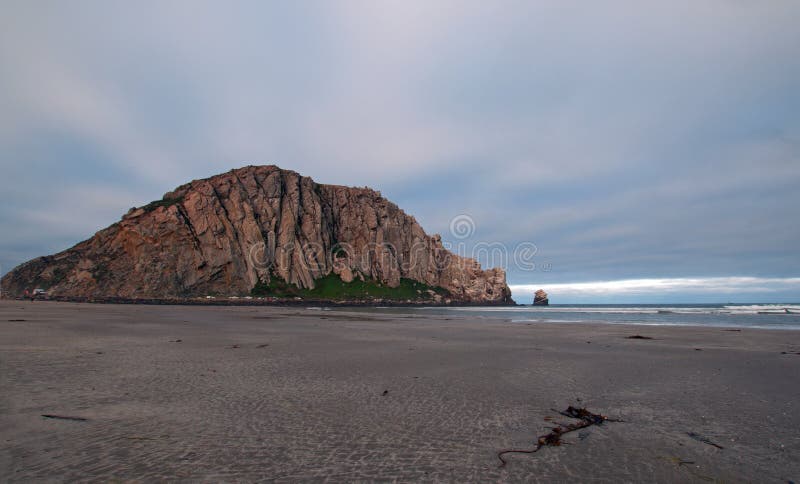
626,140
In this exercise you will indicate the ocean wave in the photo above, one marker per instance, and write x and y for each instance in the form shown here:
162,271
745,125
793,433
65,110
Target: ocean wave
766,309
762,316
705,324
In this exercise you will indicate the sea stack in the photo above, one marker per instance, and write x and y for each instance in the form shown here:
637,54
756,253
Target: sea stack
262,227
540,298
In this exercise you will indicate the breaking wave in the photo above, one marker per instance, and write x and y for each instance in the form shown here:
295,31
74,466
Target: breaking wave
774,316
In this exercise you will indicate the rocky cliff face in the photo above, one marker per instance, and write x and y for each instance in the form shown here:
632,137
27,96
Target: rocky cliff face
225,234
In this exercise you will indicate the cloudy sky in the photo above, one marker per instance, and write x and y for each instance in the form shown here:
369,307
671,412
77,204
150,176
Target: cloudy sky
649,150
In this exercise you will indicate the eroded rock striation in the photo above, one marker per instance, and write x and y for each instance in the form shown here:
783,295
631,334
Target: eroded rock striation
225,234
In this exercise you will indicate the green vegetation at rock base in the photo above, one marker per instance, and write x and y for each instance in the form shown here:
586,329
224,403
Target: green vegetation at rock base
331,287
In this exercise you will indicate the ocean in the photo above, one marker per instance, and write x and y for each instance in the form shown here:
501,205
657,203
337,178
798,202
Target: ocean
768,316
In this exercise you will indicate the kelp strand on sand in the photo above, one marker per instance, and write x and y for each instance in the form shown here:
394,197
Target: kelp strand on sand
64,417
703,439
585,417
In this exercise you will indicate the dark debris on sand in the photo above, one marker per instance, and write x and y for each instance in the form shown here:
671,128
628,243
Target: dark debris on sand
553,439
64,417
703,439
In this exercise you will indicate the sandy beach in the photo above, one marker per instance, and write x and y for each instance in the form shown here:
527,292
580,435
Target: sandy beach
264,393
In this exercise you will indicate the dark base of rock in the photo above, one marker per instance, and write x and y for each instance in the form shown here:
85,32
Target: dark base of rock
541,302
223,301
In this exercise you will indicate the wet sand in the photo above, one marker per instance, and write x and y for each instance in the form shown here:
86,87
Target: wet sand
244,394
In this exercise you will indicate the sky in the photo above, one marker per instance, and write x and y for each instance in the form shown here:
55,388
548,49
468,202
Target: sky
617,151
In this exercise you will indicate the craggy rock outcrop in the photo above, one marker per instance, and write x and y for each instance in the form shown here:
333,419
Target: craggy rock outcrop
224,234
540,298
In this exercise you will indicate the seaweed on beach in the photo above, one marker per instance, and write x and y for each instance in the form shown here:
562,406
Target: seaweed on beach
638,336
585,419
703,439
64,417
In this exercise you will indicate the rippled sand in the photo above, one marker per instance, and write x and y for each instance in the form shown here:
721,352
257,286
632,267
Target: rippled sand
246,394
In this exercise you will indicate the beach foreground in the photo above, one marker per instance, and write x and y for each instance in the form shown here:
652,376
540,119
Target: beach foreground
255,393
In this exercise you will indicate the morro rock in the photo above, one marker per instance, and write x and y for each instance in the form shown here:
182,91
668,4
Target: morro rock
254,226
540,298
